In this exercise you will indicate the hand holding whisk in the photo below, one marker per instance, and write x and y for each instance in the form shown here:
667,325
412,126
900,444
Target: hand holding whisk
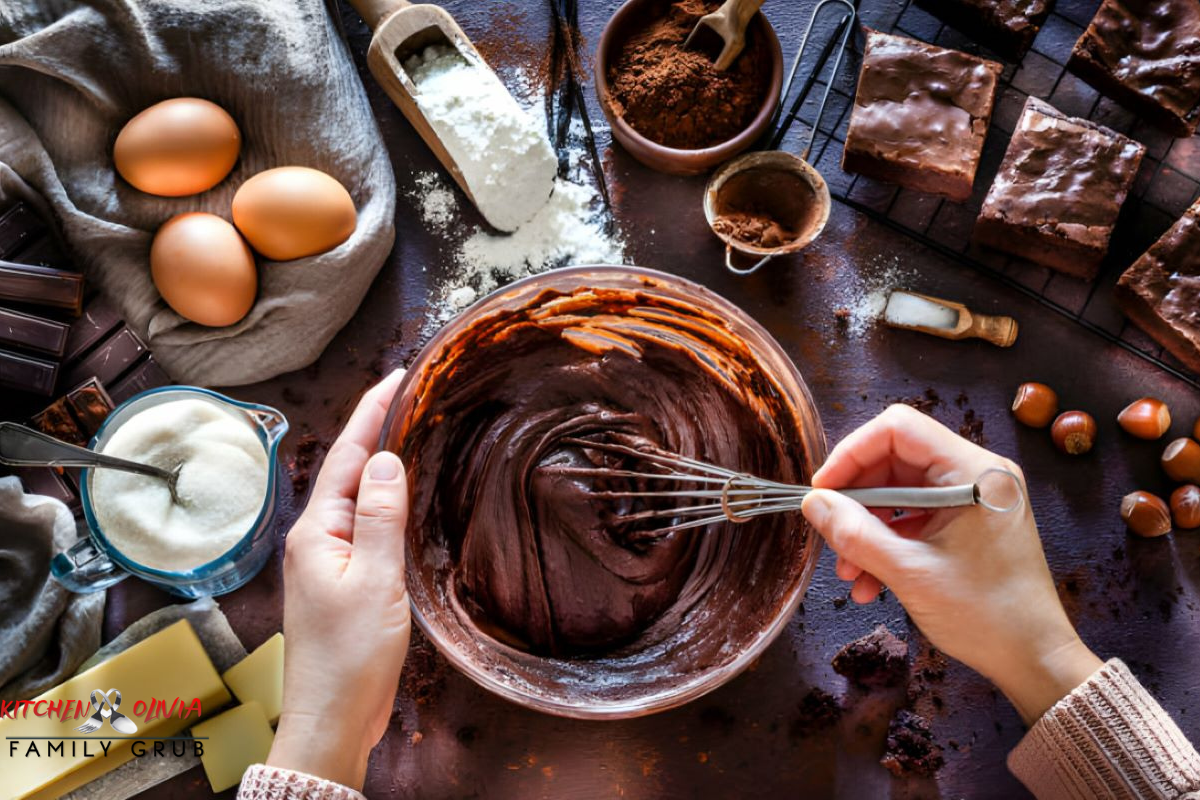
726,495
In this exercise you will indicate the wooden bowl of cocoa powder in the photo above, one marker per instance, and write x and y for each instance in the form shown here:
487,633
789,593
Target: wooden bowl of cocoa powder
669,107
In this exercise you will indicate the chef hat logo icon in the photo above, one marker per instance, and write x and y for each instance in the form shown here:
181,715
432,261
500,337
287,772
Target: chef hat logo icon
104,708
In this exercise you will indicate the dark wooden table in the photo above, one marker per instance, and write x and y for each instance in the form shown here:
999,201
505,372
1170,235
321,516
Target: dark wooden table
1130,598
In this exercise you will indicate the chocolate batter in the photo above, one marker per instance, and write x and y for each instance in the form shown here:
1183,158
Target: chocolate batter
532,553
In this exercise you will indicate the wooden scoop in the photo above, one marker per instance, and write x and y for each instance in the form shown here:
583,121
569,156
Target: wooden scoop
729,22
947,319
401,30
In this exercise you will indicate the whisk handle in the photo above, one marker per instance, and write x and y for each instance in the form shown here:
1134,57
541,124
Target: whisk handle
913,497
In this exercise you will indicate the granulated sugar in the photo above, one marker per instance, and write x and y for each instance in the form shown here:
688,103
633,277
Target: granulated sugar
501,149
862,299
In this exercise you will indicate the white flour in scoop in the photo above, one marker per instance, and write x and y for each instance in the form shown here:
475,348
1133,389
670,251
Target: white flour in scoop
501,150
221,486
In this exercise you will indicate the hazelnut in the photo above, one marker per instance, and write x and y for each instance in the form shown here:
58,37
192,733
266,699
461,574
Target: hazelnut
1181,460
1146,514
1074,432
1196,430
1148,418
1035,405
1185,506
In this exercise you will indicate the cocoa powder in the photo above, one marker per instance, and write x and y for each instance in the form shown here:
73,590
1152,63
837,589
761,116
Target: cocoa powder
765,208
675,96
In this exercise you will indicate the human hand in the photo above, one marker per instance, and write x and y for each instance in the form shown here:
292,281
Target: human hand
345,608
975,581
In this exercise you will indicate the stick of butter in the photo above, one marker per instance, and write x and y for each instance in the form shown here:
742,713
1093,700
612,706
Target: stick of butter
168,665
259,677
236,739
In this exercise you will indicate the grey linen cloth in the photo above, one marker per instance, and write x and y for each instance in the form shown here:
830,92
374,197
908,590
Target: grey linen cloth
46,632
72,73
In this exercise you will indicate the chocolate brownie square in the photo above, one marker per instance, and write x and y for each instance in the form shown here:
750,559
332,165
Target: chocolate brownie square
920,115
1161,291
1145,54
1059,190
1005,26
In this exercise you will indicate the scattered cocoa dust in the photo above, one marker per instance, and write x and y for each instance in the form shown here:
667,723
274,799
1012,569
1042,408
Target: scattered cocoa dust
676,97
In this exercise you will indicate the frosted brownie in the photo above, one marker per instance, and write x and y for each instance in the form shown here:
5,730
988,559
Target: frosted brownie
1059,190
1161,291
1145,54
920,115
1005,26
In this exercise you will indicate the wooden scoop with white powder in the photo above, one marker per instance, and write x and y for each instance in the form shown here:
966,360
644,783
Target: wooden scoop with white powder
497,153
947,319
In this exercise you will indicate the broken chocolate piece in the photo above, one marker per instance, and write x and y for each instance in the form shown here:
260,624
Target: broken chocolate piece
56,420
91,405
19,329
911,749
877,659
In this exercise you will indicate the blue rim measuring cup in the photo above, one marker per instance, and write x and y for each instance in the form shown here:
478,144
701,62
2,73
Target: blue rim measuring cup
93,563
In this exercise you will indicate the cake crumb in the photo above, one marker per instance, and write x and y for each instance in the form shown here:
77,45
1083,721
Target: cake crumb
876,660
911,749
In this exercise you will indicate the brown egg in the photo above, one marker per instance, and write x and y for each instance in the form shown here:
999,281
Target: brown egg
203,269
177,147
292,212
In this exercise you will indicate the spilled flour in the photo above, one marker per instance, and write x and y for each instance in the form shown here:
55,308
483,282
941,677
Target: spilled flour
568,229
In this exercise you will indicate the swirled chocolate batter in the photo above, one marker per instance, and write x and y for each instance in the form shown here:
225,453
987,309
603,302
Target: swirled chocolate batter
531,550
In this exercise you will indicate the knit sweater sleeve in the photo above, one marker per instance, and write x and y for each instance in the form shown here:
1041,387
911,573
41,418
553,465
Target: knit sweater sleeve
1110,740
272,783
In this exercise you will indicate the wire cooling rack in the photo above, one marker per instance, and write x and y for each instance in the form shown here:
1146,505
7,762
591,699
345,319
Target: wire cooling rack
1169,180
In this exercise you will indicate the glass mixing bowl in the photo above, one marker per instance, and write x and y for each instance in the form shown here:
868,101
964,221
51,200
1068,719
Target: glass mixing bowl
731,624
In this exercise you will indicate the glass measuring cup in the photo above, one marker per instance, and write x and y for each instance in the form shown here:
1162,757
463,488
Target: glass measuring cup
93,563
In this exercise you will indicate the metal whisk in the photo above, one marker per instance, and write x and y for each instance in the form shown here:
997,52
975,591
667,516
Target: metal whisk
726,495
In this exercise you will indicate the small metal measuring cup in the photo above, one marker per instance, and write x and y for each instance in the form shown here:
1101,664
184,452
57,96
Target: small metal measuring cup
778,160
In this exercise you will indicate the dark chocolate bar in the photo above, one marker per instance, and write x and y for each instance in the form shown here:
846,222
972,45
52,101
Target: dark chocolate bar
33,333
43,252
27,374
42,286
147,375
111,358
48,482
19,225
91,405
98,320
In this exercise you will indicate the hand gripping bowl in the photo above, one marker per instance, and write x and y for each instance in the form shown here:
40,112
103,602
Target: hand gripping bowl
486,415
